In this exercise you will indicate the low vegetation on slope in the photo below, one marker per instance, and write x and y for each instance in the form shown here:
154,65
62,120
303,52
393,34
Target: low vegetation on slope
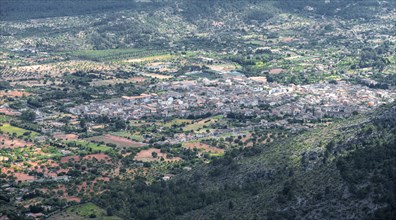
27,9
340,171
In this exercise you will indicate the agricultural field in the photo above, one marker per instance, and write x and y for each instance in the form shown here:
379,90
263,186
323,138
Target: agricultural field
108,82
145,59
201,147
201,125
156,76
84,212
65,136
116,54
177,122
118,141
129,135
153,154
8,142
93,147
223,67
9,129
13,93
4,118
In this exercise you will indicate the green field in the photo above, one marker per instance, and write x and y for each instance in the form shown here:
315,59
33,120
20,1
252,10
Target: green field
114,54
3,118
7,128
150,58
201,123
127,134
176,122
85,211
89,145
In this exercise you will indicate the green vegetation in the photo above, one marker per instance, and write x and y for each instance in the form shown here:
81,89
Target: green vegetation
92,147
4,118
127,134
89,211
28,115
7,128
203,123
114,54
238,109
26,9
275,175
176,122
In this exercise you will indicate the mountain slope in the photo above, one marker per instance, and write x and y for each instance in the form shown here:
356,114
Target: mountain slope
71,24
343,171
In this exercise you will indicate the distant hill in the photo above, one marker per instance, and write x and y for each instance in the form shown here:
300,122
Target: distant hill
32,9
158,24
191,9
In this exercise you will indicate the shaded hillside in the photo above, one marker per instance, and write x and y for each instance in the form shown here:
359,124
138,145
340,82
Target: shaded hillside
348,9
172,24
343,171
33,9
191,9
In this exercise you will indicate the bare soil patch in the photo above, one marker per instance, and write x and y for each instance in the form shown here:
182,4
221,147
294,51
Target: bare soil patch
7,142
65,136
147,156
204,147
9,111
69,159
14,93
23,177
119,141
99,157
222,67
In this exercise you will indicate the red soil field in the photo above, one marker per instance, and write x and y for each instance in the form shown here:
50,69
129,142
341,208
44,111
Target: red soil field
70,158
5,170
13,93
23,177
62,171
52,163
146,156
72,198
204,147
84,186
10,112
138,79
65,194
245,139
15,143
99,157
65,136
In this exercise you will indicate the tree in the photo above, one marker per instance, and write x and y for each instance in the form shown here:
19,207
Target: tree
4,85
230,205
28,115
109,211
83,122
36,208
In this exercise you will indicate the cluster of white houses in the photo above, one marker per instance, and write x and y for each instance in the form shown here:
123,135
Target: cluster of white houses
241,95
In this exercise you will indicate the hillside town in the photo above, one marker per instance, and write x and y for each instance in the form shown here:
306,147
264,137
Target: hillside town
111,108
241,95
